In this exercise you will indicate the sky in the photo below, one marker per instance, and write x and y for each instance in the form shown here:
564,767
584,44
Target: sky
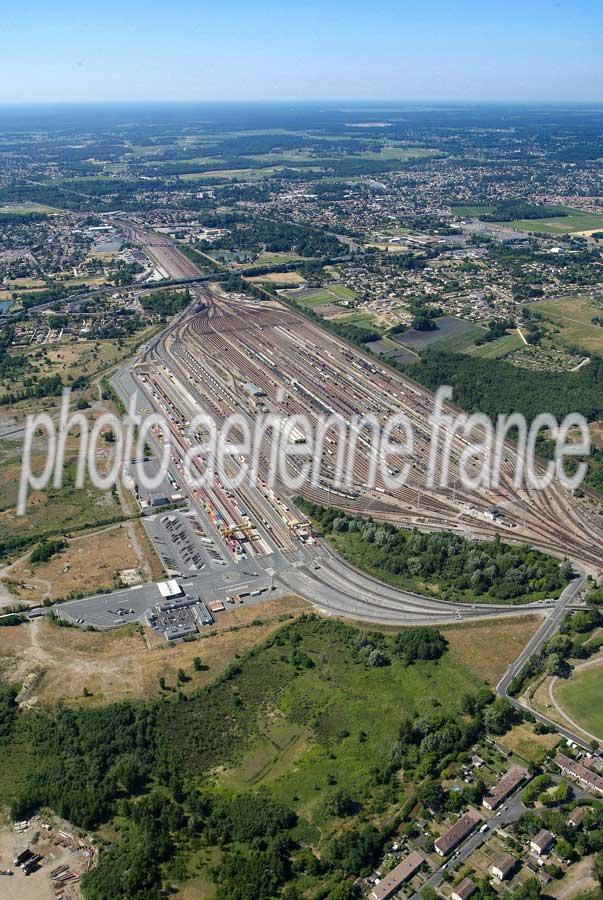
193,50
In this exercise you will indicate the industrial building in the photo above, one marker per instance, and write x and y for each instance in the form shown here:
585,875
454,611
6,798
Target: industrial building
181,616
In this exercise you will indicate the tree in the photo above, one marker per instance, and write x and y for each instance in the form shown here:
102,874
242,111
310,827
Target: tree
197,666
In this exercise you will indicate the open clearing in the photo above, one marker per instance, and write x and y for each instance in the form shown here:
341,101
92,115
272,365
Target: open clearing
581,697
57,663
456,333
505,345
90,562
277,278
573,316
321,731
488,648
22,209
231,174
576,220
525,743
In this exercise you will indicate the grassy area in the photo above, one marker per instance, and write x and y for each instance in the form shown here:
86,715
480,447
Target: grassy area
275,259
573,315
463,342
487,648
361,320
471,210
118,665
525,743
312,298
401,154
91,562
320,732
341,291
499,348
575,221
581,697
23,209
231,174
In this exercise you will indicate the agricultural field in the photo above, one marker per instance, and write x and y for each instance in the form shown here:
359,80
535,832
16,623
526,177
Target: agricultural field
498,349
452,334
581,697
573,316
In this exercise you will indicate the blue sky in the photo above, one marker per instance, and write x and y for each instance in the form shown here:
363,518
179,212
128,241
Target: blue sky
237,50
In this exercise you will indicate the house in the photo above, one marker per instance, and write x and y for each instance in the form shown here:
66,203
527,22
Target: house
592,780
542,842
464,890
392,881
577,817
457,834
503,867
505,787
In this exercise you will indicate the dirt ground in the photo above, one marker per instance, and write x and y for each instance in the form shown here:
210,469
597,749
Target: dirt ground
277,278
91,561
578,881
55,663
488,648
40,838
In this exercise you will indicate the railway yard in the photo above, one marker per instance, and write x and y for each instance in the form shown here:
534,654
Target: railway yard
229,354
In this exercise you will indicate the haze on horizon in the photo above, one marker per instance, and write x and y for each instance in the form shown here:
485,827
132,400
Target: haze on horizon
513,51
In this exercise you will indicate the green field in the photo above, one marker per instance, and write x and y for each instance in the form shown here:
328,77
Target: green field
311,739
23,209
573,316
469,210
341,291
576,220
311,298
460,343
499,348
230,174
361,320
275,259
581,697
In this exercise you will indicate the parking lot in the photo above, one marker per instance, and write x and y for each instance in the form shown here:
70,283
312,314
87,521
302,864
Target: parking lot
182,543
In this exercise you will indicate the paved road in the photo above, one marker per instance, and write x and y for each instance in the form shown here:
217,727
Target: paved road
545,633
508,814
